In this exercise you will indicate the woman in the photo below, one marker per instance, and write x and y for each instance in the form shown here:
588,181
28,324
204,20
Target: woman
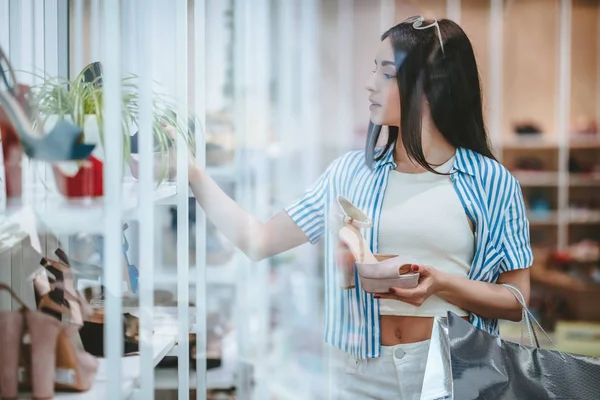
434,192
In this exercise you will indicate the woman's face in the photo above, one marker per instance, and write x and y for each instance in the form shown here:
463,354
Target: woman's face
383,88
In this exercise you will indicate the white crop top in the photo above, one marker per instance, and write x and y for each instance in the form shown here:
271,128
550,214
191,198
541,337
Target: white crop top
423,217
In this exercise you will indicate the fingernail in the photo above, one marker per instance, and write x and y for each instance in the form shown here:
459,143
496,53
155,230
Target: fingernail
414,267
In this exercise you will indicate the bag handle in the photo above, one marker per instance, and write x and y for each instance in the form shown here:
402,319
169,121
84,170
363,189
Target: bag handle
4,286
525,320
528,318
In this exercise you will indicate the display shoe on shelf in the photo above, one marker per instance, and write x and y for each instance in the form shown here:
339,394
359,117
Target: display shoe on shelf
56,294
377,272
92,333
62,143
40,354
130,271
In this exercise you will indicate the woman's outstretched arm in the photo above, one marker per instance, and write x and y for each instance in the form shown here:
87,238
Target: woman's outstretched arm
257,239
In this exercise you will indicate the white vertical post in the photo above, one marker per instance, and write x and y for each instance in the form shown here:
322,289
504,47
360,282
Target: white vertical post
95,32
5,259
15,26
63,37
496,75
15,56
260,125
181,62
113,328
388,15
5,25
78,49
131,19
310,116
24,25
37,40
50,55
286,127
51,38
144,15
562,120
241,85
345,62
453,10
285,96
200,114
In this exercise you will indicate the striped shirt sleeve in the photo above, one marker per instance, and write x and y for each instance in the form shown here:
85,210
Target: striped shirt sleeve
516,244
308,212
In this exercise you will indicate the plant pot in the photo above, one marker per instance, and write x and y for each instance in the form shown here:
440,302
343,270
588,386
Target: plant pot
87,182
161,162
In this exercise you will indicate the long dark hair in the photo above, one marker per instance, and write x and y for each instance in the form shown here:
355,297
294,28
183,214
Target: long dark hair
449,79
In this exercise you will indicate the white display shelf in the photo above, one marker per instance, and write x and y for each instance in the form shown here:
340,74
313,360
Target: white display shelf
130,371
546,141
584,141
222,378
584,217
517,142
537,178
536,219
584,179
551,179
223,274
73,216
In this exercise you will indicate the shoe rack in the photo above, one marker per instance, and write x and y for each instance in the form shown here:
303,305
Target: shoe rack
557,167
545,108
105,28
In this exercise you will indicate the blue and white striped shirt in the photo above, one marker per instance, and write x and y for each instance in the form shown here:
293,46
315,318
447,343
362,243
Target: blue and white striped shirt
490,195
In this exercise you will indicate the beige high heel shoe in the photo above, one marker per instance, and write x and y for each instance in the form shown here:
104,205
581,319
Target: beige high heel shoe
75,368
39,332
11,332
377,272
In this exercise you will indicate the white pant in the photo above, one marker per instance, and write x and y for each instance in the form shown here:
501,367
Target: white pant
397,374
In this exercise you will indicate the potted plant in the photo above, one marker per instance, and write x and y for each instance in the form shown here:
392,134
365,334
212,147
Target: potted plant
80,101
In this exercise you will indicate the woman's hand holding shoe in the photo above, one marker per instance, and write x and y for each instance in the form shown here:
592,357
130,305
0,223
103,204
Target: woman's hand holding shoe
429,284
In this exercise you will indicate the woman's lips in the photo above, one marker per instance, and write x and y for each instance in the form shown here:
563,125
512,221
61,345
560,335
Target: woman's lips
374,103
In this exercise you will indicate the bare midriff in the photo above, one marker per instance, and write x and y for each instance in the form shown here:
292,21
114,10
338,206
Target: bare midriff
399,329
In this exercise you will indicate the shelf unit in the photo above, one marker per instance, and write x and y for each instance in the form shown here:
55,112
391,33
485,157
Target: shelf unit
99,31
563,201
161,345
553,88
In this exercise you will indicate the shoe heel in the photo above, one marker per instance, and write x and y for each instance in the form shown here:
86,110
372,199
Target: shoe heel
79,367
12,153
346,267
43,333
11,332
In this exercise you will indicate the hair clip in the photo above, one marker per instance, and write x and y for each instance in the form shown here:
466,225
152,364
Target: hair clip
417,23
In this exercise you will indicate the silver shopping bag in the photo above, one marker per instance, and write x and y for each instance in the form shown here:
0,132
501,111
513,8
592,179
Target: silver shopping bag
465,363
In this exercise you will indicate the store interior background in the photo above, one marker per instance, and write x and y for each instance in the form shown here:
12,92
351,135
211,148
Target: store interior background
539,63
